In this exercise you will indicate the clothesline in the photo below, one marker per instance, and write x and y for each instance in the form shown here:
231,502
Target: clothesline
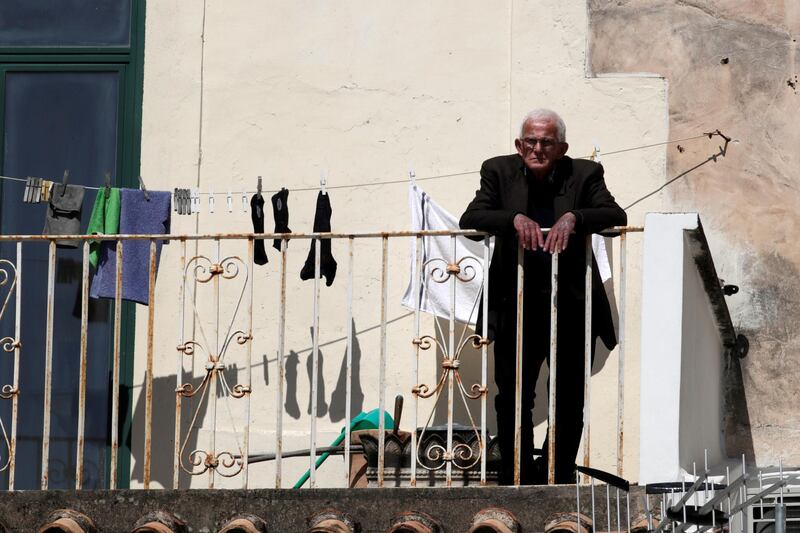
405,180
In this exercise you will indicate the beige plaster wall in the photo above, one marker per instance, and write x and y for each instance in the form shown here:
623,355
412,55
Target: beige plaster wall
733,65
238,89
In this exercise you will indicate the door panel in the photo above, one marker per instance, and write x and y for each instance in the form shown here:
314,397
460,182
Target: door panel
56,118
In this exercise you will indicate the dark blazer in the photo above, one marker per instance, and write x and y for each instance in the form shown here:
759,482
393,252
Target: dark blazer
581,189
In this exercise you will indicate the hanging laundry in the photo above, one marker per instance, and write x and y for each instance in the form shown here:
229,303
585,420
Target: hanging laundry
64,212
257,216
601,256
104,220
137,216
322,223
435,297
280,212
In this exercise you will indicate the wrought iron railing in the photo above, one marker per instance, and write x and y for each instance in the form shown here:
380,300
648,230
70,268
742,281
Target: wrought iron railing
221,286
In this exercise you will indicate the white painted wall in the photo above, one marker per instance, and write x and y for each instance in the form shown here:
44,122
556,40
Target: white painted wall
682,357
363,90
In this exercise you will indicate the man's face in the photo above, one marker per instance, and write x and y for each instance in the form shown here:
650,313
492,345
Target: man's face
539,146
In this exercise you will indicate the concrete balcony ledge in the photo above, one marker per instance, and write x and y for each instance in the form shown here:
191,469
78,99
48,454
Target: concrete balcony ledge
289,511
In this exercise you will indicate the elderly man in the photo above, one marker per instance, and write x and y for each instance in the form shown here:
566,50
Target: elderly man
520,194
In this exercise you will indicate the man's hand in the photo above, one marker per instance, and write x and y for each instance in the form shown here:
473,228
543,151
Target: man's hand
558,237
528,232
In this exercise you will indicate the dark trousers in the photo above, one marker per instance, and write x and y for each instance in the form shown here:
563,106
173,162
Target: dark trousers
569,388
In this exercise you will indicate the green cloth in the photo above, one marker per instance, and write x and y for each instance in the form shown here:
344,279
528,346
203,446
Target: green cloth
104,220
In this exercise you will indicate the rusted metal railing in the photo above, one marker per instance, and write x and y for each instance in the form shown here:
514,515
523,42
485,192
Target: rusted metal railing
217,273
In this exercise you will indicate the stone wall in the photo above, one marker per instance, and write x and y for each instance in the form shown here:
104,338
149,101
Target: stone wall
732,65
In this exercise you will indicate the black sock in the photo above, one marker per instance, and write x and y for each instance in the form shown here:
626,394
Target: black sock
257,214
280,211
322,223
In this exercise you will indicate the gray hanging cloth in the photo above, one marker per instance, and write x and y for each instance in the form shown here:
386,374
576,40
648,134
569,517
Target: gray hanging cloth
64,213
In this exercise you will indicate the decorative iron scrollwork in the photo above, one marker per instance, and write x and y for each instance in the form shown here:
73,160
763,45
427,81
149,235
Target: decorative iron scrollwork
201,270
435,455
8,278
463,269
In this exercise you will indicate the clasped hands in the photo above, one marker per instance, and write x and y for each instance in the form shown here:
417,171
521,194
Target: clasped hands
531,237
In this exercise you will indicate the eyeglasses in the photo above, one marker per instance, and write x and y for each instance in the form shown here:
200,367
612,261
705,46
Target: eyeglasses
530,143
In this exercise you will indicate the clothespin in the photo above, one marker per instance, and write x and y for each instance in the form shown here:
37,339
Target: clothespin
245,202
195,201
258,188
412,176
64,181
46,188
211,201
144,189
183,201
26,196
595,152
323,181
37,190
230,201
107,188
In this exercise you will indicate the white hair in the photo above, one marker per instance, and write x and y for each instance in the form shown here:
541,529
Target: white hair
549,116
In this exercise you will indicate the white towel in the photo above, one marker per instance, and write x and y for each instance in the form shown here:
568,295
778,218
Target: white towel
435,297
600,255
437,253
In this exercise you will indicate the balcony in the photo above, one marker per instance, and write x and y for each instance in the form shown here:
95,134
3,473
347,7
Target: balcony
234,380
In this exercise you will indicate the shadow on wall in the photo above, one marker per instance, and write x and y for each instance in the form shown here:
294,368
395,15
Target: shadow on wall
163,444
338,404
163,436
738,431
335,409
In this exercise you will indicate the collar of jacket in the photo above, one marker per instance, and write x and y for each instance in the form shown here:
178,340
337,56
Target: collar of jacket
564,197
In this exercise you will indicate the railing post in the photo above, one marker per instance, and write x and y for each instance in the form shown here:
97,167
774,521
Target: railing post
621,354
588,341
12,452
214,354
315,365
179,375
418,288
551,418
450,356
115,368
518,381
484,355
48,365
82,371
382,371
148,406
249,386
349,363
281,370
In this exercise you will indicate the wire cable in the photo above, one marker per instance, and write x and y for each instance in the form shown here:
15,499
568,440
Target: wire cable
441,176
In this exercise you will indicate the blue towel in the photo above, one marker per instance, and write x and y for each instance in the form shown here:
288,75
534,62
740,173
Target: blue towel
137,216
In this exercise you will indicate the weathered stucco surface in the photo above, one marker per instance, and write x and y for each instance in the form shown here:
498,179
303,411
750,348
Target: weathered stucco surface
236,89
732,65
